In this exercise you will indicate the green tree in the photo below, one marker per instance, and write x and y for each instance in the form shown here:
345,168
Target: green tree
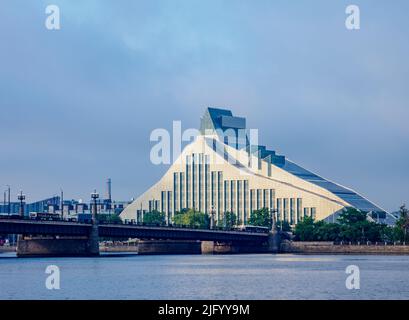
352,226
192,218
261,218
403,223
229,220
351,216
109,218
304,230
154,218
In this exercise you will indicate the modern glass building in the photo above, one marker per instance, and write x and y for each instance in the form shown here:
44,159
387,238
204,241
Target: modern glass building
225,170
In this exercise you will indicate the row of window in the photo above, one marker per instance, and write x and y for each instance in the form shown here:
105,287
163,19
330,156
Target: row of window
205,190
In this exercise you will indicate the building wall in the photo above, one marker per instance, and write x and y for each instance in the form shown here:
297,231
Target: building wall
202,179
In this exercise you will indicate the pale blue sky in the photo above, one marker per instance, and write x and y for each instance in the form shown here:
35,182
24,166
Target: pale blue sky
78,105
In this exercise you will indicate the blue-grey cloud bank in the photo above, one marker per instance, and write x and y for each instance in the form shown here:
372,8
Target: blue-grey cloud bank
77,105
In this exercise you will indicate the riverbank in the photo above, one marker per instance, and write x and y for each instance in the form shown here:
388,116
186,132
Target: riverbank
298,247
7,249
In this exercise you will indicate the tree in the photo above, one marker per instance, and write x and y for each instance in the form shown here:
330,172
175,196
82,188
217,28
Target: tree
109,218
261,218
192,218
304,230
228,221
352,226
154,218
350,216
403,222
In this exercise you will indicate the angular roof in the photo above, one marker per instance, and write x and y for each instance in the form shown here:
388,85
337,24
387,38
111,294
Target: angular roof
215,118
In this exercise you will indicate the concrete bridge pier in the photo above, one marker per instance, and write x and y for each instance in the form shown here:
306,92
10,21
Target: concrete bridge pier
273,242
93,241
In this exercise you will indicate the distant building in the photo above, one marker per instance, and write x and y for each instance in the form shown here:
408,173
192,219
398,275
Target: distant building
223,171
38,206
70,207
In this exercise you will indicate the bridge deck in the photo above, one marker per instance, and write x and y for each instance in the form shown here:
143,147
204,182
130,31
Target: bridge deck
65,228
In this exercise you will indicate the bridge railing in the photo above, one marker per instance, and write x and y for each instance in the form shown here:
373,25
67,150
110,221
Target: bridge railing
175,226
126,222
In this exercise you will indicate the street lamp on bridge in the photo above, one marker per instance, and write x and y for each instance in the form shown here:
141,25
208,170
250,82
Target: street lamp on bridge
212,220
21,197
94,197
8,200
273,217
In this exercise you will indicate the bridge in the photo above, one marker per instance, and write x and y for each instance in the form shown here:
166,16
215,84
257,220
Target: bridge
91,232
67,228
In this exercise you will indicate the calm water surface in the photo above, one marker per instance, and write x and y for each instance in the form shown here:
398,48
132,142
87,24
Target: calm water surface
205,277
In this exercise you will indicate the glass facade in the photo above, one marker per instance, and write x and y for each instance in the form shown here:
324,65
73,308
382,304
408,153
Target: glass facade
194,182
299,209
202,189
182,191
252,200
272,199
285,210
246,211
258,199
313,213
219,194
292,211
188,174
207,185
239,201
280,209
233,197
227,207
176,191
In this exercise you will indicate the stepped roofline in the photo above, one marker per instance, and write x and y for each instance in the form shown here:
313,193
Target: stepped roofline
222,118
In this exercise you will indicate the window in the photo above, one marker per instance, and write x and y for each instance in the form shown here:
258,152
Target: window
219,193
181,191
175,190
207,184
239,201
292,211
170,208
313,213
188,166
306,212
245,201
265,198
280,209
258,199
200,181
163,201
272,199
233,196
227,207
299,208
194,180
252,200
285,201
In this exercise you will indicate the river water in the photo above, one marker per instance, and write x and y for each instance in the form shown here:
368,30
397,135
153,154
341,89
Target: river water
119,276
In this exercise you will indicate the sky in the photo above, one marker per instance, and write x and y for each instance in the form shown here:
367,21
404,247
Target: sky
77,105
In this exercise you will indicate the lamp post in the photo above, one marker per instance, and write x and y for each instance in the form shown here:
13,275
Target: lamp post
94,197
8,201
213,213
62,204
21,197
273,219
